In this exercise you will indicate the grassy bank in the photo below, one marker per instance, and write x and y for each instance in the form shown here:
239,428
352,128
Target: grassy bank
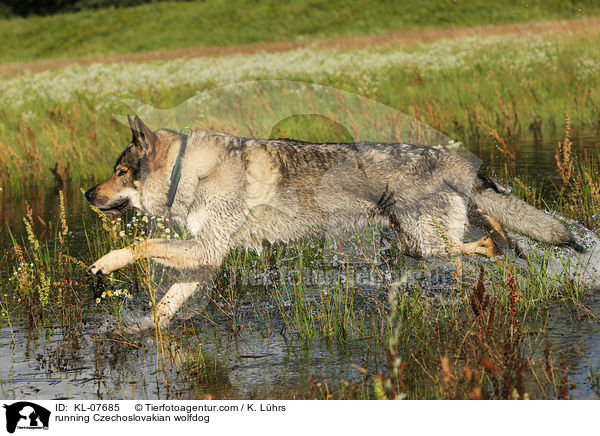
164,26
466,88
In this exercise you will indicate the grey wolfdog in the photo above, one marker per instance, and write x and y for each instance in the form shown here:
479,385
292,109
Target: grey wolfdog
231,192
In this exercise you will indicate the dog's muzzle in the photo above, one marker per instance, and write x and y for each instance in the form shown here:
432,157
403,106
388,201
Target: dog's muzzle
90,194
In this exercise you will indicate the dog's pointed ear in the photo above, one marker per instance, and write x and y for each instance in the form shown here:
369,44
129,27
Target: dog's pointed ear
132,125
142,135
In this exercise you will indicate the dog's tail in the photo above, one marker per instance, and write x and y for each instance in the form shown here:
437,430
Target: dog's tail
518,215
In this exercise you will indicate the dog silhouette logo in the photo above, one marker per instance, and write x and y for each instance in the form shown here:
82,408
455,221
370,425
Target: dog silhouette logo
26,415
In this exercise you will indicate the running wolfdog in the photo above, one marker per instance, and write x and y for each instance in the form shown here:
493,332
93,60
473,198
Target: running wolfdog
239,192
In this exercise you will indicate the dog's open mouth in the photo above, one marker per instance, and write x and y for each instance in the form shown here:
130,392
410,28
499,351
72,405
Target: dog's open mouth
116,208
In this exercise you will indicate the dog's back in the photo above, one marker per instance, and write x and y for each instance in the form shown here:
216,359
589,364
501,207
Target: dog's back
297,189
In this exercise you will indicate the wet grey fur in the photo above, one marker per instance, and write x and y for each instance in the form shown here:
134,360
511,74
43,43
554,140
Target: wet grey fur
239,192
282,190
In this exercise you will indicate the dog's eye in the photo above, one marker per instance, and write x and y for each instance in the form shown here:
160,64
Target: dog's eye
121,171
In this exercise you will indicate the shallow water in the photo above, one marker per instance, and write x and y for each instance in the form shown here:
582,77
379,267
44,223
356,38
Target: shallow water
535,158
262,360
257,363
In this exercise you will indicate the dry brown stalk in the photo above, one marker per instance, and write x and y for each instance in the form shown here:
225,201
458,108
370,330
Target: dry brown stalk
564,161
502,145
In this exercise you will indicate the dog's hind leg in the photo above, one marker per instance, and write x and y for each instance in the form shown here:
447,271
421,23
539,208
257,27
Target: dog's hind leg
485,246
435,226
440,231
497,232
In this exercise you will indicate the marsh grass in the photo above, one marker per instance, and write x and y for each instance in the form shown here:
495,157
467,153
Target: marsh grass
579,182
45,277
328,315
200,374
478,347
31,151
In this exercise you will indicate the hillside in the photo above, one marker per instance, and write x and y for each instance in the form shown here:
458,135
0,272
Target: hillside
168,26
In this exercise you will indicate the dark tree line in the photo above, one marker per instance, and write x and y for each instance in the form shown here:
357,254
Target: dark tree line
24,8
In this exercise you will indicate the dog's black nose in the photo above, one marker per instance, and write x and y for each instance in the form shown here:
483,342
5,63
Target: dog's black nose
90,195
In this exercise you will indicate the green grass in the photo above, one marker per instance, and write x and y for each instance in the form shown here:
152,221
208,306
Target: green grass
463,88
165,26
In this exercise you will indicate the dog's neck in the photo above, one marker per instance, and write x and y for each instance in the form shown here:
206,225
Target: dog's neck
176,174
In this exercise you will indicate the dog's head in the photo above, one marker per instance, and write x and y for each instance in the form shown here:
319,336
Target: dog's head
122,190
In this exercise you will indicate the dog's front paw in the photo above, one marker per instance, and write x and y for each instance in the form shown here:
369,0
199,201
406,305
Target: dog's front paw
134,324
130,324
112,261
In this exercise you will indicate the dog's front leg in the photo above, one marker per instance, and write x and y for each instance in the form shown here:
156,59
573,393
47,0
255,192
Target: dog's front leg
113,261
194,256
177,294
166,308
186,254
200,280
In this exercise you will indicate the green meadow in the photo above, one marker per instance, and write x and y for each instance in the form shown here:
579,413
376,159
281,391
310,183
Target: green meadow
489,331
471,89
166,26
